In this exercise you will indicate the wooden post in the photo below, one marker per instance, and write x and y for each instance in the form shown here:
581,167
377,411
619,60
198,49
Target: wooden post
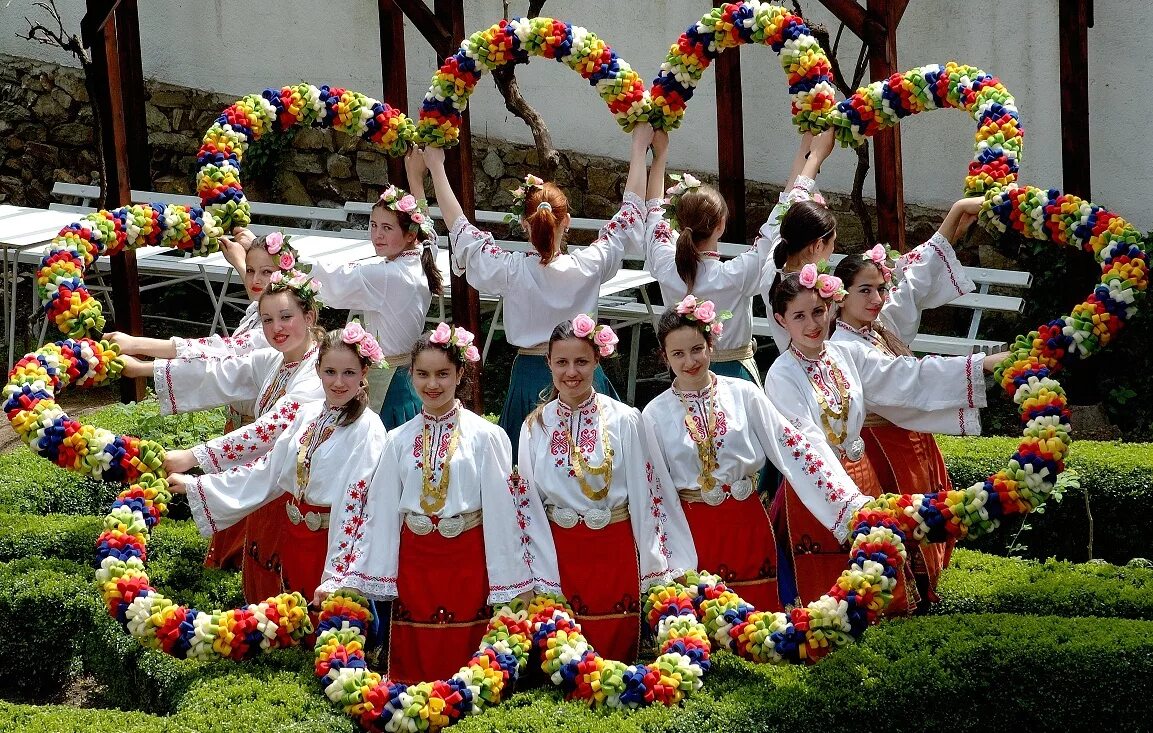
887,165
731,140
1076,17
113,36
393,72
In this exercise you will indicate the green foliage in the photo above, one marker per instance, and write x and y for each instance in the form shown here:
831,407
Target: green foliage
1116,477
171,431
977,582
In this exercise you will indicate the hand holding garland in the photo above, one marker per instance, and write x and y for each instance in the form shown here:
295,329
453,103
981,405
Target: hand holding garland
450,207
415,168
961,216
812,152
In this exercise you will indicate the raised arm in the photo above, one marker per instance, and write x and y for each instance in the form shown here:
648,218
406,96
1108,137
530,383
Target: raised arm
812,152
415,168
445,197
638,160
656,181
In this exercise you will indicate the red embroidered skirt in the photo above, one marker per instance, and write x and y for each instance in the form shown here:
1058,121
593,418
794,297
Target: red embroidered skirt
817,557
600,577
441,611
281,557
226,547
735,540
911,463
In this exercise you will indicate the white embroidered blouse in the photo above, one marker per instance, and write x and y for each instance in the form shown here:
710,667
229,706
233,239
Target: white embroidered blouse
519,551
536,297
340,459
748,430
639,484
275,389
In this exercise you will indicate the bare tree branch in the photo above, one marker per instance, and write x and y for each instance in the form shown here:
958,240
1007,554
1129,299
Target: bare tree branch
856,197
514,102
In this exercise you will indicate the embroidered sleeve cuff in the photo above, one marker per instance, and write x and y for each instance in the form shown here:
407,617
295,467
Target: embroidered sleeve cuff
631,199
457,227
376,589
161,379
958,279
806,184
845,521
200,513
975,381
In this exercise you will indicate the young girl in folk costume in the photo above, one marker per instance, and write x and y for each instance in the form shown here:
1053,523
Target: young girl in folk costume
681,251
905,461
327,453
715,434
274,382
834,384
443,529
808,235
591,460
549,285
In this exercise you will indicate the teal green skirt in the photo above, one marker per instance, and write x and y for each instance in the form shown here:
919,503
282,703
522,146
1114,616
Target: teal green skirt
734,369
529,385
401,403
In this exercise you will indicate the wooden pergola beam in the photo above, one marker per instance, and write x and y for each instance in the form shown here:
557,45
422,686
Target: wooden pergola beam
731,141
888,173
393,69
1075,19
430,25
111,31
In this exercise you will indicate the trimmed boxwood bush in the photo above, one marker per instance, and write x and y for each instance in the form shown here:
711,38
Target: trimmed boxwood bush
1117,477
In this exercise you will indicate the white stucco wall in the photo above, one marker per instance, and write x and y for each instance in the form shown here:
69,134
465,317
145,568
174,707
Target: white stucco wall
239,47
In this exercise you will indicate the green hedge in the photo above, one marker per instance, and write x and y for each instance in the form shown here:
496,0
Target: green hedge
1117,477
957,673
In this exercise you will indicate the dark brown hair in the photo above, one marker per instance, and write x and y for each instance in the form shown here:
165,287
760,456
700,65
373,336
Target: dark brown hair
355,407
848,270
465,367
306,307
699,212
541,221
563,332
427,256
671,320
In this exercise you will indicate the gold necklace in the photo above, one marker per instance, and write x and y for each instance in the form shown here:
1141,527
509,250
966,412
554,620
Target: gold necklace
581,467
432,497
704,438
304,453
828,414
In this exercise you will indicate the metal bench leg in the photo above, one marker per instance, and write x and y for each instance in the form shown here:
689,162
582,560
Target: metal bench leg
217,302
975,322
634,356
491,330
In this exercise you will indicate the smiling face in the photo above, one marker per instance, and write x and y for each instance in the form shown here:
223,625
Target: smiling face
286,325
867,295
689,355
341,374
806,319
259,266
389,238
572,362
435,379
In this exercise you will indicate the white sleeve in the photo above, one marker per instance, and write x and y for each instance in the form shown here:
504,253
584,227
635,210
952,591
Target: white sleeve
248,442
364,534
769,236
624,232
649,507
475,255
660,247
929,383
356,285
220,500
214,346
186,385
928,276
518,545
808,463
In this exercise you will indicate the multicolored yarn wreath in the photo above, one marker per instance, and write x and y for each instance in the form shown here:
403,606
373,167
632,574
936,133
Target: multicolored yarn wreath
194,229
514,41
880,105
690,618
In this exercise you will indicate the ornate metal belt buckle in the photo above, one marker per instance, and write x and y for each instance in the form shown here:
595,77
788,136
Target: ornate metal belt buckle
565,517
293,511
597,518
420,524
714,496
313,520
855,450
742,489
450,527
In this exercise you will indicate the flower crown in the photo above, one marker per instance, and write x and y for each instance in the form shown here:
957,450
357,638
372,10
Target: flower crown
704,313
354,335
685,182
278,245
401,201
298,282
520,196
458,339
817,277
603,338
880,255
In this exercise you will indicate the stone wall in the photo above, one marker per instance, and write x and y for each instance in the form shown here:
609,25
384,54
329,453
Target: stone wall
46,135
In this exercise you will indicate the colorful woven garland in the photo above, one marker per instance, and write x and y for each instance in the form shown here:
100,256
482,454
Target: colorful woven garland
882,104
198,230
514,41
